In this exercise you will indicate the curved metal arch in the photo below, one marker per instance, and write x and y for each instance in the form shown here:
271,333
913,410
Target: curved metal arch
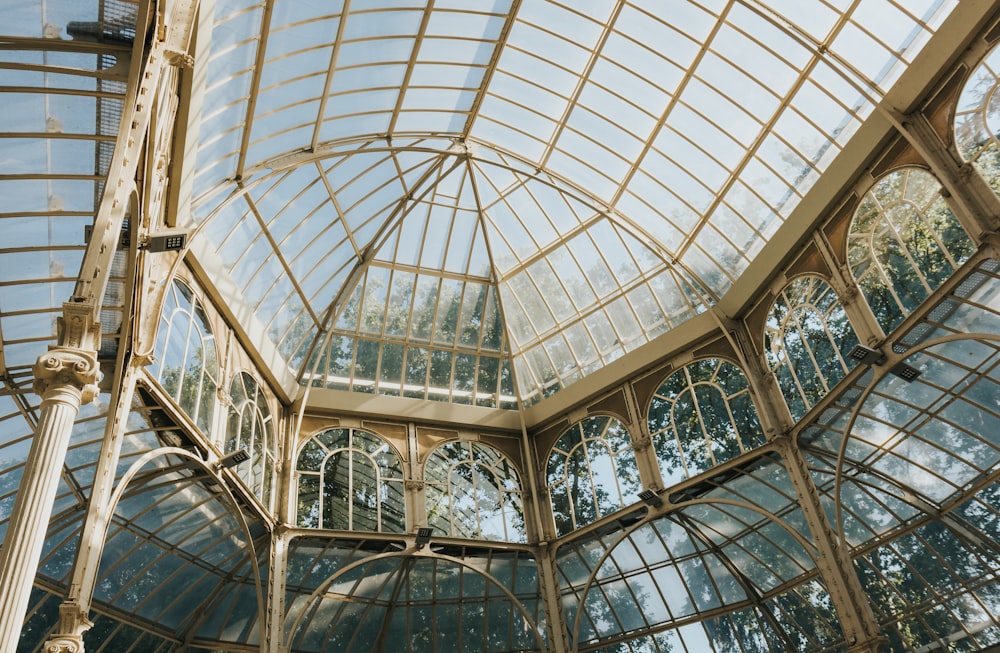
549,453
227,498
803,275
971,69
560,183
807,546
313,434
735,363
412,555
869,237
878,376
294,490
868,184
520,473
504,494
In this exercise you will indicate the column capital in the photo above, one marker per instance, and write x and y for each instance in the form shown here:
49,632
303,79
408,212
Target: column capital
73,623
64,366
64,644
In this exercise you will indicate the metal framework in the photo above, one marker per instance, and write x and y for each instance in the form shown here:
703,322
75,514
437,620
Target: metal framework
464,278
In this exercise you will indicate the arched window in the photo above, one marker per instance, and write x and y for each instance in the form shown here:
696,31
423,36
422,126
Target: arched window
249,426
474,491
977,120
904,243
701,416
350,479
187,365
807,338
591,472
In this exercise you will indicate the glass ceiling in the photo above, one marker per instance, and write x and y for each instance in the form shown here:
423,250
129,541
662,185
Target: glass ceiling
482,202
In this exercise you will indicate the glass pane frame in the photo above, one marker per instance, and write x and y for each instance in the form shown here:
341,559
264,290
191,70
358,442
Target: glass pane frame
904,243
702,415
474,491
591,472
349,479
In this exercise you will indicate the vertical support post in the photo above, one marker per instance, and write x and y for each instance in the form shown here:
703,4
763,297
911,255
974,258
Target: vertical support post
861,630
642,443
278,561
537,496
75,609
550,593
65,378
976,206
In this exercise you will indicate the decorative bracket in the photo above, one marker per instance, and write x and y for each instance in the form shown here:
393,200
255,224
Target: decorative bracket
78,326
73,623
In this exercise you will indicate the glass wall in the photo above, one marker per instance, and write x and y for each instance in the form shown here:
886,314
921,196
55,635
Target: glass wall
701,416
591,473
904,243
474,491
806,340
249,426
187,362
350,479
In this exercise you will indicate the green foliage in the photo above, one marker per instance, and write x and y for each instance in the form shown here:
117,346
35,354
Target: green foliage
701,416
591,472
807,337
349,479
904,243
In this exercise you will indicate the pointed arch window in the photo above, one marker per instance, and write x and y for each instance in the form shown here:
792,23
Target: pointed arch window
904,243
807,337
591,472
350,479
702,416
187,364
474,491
249,426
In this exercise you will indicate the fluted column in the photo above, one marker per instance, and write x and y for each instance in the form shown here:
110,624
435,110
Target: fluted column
64,377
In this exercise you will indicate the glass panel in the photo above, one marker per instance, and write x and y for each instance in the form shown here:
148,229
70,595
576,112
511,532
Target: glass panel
701,416
249,426
904,243
473,491
186,362
591,472
807,339
350,479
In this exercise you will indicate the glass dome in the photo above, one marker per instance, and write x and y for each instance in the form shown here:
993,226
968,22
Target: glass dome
485,203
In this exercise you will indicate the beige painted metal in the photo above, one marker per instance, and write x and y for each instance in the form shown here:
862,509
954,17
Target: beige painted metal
67,375
975,204
64,377
75,609
861,630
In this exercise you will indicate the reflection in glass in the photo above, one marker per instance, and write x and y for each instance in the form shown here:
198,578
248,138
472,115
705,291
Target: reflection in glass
904,243
806,338
474,491
186,363
416,604
701,416
977,120
249,426
591,472
350,479
678,567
